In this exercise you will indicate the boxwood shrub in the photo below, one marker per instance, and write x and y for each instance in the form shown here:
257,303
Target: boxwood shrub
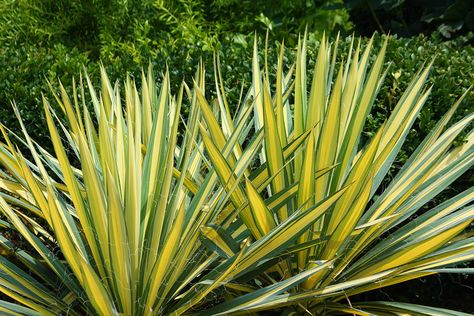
25,69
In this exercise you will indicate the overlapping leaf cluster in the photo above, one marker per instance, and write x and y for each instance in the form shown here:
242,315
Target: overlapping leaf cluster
275,206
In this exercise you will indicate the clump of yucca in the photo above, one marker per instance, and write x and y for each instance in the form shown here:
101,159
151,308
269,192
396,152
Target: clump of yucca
152,223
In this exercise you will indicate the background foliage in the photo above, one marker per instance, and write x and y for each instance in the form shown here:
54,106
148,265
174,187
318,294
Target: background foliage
407,18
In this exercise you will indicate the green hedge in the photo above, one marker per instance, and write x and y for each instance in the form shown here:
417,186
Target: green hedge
25,69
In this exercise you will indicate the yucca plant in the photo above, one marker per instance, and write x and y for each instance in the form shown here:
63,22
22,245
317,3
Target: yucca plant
366,239
126,219
275,205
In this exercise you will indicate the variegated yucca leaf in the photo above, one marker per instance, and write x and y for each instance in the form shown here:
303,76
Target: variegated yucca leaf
274,202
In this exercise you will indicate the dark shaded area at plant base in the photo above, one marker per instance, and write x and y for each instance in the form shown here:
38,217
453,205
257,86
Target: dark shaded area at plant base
452,291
